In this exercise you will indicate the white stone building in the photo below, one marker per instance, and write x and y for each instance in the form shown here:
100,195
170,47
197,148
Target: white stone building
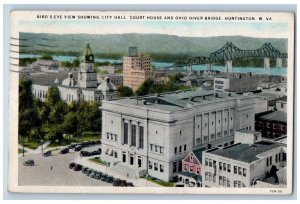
152,134
244,163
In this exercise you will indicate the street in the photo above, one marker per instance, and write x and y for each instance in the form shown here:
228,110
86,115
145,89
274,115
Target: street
60,175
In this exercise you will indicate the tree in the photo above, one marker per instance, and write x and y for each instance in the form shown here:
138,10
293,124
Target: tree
75,63
145,87
124,91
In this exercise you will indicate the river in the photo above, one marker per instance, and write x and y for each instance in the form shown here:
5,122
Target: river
280,71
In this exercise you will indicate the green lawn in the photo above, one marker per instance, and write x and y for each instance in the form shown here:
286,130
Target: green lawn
21,151
98,160
31,144
162,183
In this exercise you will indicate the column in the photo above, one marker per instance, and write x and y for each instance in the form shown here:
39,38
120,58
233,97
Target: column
129,133
278,62
122,131
138,135
229,66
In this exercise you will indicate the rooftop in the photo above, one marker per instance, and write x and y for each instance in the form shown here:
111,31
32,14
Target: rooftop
191,175
245,152
198,153
178,100
275,116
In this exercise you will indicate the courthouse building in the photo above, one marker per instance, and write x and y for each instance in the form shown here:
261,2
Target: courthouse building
72,88
152,134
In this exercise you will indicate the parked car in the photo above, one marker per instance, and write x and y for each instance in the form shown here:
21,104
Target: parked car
64,151
84,144
84,170
130,184
73,145
123,183
116,182
29,162
97,152
104,177
92,174
110,179
85,154
77,167
98,141
100,150
88,171
47,154
78,148
71,165
98,175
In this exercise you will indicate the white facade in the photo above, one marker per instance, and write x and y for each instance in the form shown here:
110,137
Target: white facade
171,128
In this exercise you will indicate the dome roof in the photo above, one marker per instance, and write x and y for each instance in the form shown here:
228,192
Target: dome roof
106,85
70,81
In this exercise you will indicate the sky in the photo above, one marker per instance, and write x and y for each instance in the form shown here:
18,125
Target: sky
179,28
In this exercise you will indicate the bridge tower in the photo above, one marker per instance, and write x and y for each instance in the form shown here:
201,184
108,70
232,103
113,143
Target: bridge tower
267,65
208,67
278,62
228,66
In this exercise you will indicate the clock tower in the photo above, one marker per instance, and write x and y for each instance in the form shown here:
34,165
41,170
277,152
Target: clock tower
87,77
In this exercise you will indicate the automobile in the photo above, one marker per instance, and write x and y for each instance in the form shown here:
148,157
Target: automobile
84,144
78,148
84,169
123,183
93,142
77,167
104,177
73,145
88,171
179,185
97,152
110,179
29,162
130,184
98,141
98,175
64,151
116,182
71,165
47,154
92,174
85,154
100,150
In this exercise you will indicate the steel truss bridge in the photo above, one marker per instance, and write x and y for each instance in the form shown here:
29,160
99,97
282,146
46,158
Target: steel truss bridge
231,52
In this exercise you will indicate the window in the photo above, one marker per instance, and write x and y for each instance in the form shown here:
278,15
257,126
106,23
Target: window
214,164
131,159
174,167
210,163
270,161
206,162
150,165
175,150
139,161
151,147
180,132
240,171
228,167
155,166
124,156
185,167
179,149
156,148
191,168
161,168
267,161
141,139
220,165
184,147
116,154
244,172
198,170
161,150
224,167
133,135
125,133
206,176
235,169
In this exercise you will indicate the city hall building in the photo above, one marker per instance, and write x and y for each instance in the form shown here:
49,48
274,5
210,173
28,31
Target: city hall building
151,135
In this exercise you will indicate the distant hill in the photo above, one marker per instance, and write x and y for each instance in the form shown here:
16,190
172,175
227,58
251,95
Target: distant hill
146,43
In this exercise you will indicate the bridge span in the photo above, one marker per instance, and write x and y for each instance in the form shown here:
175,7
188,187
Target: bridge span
230,52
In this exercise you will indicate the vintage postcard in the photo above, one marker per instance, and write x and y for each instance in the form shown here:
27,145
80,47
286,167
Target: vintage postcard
151,102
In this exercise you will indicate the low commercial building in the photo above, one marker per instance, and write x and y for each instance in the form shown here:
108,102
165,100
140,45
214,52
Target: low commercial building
243,164
191,174
151,135
271,124
235,84
45,65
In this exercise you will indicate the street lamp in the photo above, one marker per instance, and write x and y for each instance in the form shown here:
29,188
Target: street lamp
42,144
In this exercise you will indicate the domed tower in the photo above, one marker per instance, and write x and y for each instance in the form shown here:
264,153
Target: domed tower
87,77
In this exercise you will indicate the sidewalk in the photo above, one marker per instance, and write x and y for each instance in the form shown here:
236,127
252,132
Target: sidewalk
36,151
140,182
